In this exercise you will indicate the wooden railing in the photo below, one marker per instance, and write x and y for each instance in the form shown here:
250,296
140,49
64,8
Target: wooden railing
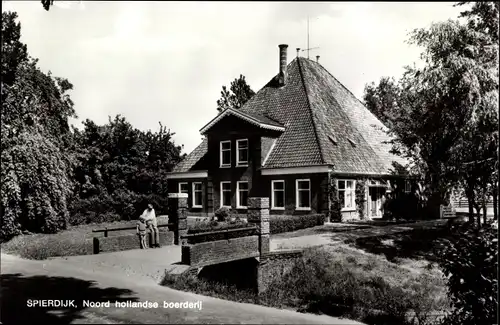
106,230
224,233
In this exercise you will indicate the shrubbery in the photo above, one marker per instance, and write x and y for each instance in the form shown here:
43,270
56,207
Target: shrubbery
286,223
470,261
222,214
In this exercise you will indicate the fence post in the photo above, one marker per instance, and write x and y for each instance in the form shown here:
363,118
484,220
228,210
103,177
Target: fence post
177,203
258,215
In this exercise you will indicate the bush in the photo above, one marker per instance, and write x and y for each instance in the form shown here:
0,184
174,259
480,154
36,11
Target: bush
286,223
222,214
469,260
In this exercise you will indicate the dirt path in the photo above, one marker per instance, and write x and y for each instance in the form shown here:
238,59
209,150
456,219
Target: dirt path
61,279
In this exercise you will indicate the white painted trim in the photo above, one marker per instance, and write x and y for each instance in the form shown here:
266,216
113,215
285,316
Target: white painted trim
295,170
244,163
193,174
272,194
297,194
179,187
221,194
220,154
269,153
194,196
238,206
353,208
243,117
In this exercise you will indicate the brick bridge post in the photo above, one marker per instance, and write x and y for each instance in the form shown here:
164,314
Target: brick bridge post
178,205
258,215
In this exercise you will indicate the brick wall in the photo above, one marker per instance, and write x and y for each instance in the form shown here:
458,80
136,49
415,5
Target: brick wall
126,242
220,251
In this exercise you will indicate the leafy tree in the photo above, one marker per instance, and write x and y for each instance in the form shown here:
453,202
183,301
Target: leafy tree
382,100
483,17
36,163
47,4
238,94
448,105
13,51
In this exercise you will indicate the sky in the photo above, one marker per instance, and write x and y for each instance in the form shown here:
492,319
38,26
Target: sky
166,62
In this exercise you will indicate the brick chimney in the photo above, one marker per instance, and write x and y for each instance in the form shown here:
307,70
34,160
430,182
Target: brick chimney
283,74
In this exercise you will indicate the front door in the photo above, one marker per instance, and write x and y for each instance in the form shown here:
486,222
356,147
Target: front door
375,195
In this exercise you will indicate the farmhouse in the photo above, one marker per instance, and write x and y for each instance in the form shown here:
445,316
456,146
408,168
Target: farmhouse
300,133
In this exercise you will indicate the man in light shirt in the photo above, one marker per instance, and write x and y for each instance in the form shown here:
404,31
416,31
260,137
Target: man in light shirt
150,216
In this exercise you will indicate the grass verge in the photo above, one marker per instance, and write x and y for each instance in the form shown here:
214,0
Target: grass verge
342,281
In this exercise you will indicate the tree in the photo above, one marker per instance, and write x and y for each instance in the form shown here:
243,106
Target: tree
13,51
237,95
447,106
47,3
382,100
36,163
482,17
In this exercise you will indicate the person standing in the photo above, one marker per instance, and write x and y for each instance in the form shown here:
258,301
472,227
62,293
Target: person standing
150,216
141,231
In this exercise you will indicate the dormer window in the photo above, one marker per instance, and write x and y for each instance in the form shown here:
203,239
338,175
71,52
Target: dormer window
225,153
242,152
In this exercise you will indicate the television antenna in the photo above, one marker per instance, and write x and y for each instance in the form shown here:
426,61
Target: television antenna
308,48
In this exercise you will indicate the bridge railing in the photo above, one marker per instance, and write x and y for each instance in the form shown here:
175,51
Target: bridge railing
218,234
107,230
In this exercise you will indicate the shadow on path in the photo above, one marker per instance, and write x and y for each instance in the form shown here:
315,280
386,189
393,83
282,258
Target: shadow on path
17,290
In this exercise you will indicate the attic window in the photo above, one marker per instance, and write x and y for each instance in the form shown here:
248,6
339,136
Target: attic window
332,139
352,142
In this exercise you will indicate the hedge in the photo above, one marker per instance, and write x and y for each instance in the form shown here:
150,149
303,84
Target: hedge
287,223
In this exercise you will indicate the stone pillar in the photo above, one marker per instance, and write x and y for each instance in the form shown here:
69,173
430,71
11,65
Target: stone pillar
178,206
258,215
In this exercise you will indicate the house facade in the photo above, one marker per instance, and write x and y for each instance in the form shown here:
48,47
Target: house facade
295,136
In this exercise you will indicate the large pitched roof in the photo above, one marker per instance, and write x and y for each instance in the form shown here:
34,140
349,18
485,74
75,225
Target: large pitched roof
325,124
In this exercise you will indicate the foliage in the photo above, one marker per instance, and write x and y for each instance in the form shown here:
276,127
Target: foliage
47,3
382,100
36,162
13,51
222,214
286,223
360,193
470,261
482,17
335,208
238,94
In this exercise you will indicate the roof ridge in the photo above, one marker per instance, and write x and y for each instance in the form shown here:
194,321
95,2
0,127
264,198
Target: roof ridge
321,155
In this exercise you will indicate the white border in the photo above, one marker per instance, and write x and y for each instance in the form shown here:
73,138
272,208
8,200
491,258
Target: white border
193,174
243,163
272,194
295,170
297,194
194,196
238,206
221,194
220,154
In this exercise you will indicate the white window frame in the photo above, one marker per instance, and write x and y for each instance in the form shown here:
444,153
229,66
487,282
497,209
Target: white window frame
220,154
182,183
238,162
273,207
194,195
222,194
353,208
407,186
297,194
238,205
